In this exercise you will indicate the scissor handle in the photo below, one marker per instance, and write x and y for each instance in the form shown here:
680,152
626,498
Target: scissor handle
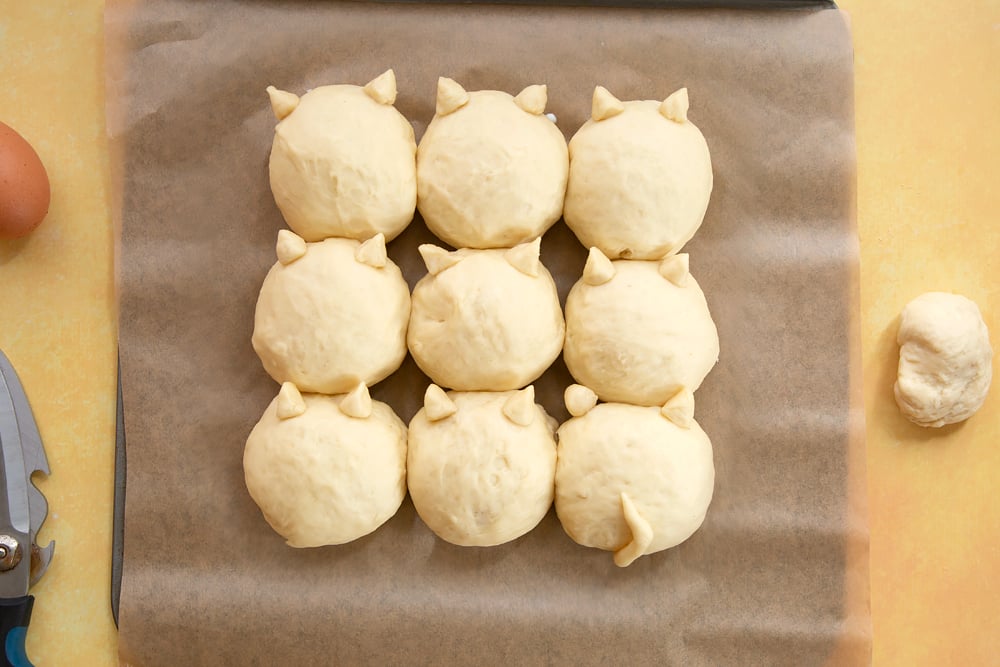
15,614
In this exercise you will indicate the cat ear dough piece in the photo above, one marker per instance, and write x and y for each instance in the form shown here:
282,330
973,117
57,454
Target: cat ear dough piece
358,403
290,247
525,257
290,403
604,105
676,269
382,88
533,99
579,399
598,269
520,408
282,102
437,405
450,96
642,534
680,408
437,259
372,252
675,107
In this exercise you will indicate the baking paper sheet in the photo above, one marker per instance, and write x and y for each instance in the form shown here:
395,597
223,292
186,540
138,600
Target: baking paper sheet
778,573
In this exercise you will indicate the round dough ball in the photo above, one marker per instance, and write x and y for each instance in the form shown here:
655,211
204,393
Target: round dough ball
476,477
639,338
491,174
323,477
343,164
484,325
665,471
327,321
639,183
944,360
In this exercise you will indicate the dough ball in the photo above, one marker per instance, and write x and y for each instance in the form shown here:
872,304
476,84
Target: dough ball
944,360
631,481
485,320
492,172
480,465
321,476
640,178
638,337
327,320
343,162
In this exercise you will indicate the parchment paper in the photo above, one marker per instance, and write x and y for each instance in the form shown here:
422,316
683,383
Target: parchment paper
778,573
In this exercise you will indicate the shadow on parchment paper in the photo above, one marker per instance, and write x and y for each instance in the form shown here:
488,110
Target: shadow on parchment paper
766,579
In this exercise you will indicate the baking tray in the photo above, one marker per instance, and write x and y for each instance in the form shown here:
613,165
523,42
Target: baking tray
120,433
121,447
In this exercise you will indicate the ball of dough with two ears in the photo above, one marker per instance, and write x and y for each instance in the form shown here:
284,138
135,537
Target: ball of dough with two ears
491,168
326,469
343,161
640,177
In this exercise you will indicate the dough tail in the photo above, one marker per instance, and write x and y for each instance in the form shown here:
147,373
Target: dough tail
642,534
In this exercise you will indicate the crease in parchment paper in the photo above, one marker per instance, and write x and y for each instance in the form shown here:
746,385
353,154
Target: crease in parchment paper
778,573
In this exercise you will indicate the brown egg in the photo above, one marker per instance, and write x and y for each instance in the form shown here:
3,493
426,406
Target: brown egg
24,186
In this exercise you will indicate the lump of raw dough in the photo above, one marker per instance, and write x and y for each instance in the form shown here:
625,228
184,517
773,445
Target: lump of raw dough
630,480
640,177
944,360
485,320
331,314
343,161
637,332
491,168
481,465
326,469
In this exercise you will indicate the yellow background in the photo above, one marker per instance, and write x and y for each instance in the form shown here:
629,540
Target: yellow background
928,97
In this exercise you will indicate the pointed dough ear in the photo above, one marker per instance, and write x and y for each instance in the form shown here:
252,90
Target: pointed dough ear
290,247
579,399
533,99
290,403
520,408
675,107
282,102
372,252
680,408
598,269
604,104
358,403
437,404
642,534
437,259
450,96
382,88
525,257
676,269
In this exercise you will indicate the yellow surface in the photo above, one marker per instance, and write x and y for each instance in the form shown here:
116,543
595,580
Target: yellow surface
928,95
928,140
57,319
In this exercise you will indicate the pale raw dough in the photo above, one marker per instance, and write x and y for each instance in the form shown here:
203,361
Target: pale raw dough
328,320
480,323
637,337
321,476
944,360
631,481
492,173
343,161
639,179
482,472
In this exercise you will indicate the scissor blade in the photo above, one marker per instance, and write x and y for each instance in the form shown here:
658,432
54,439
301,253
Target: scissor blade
32,448
14,509
31,439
